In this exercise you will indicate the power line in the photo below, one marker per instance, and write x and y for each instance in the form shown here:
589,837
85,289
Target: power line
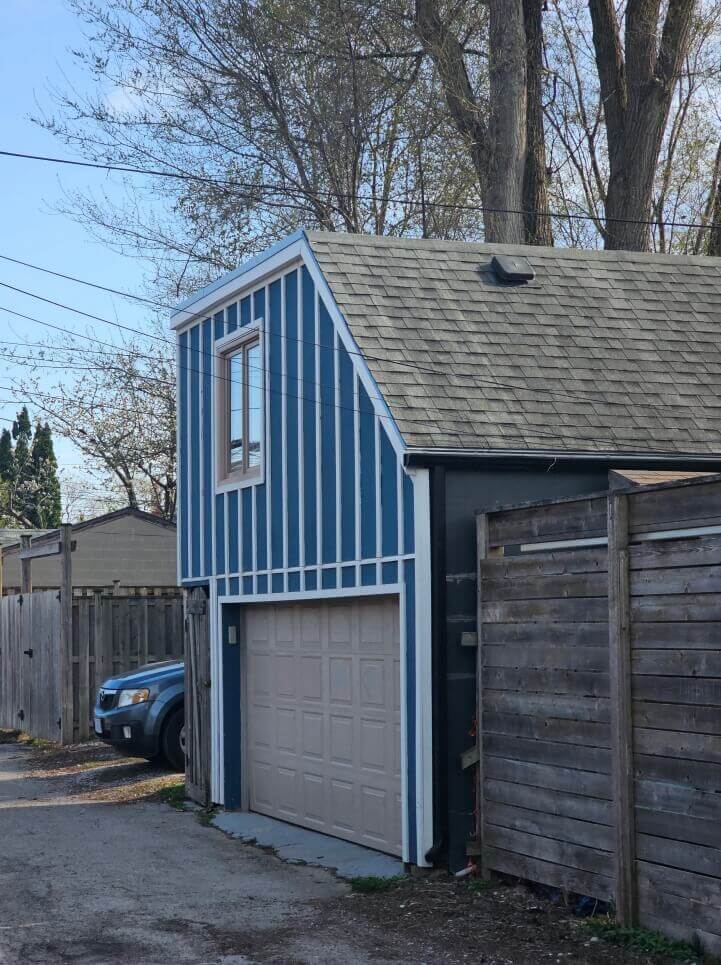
568,396
280,189
553,396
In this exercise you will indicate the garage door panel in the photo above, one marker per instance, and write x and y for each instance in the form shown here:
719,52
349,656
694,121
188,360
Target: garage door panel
340,680
324,747
311,678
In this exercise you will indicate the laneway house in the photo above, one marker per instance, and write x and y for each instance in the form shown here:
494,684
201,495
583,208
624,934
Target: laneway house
346,404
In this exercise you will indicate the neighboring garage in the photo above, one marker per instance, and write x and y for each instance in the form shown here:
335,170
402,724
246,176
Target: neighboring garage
322,716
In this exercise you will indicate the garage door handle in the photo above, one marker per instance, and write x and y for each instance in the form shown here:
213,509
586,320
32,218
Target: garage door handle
29,652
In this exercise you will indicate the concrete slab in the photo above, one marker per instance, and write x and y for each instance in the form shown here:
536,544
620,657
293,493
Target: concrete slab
298,845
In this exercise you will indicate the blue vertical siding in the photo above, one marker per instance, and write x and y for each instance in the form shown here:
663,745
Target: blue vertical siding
245,311
346,414
183,451
247,497
327,435
367,474
195,443
219,325
409,545
290,348
309,427
232,312
232,528
258,304
208,474
275,429
318,415
389,496
220,531
261,531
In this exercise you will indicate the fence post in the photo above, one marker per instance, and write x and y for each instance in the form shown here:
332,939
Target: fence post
26,578
619,633
481,554
67,711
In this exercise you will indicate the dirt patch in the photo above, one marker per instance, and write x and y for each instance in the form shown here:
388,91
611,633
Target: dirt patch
443,919
93,771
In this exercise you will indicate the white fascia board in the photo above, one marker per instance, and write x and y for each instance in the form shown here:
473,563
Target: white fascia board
281,256
380,405
249,274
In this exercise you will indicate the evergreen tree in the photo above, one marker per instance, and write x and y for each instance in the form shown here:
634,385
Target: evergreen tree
47,511
23,489
29,484
7,457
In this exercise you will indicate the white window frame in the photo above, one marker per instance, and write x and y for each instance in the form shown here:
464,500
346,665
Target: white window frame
228,477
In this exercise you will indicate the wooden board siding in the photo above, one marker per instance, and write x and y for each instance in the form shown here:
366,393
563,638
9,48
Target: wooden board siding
600,689
546,730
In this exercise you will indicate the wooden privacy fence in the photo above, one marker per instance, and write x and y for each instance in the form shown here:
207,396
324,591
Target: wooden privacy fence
599,701
47,689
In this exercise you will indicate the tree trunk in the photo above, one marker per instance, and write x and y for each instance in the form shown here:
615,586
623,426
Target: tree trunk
538,229
713,247
637,84
497,148
503,214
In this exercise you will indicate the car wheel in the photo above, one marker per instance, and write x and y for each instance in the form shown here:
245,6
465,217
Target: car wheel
174,740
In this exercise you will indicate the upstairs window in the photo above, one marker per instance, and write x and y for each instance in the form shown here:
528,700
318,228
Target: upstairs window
241,445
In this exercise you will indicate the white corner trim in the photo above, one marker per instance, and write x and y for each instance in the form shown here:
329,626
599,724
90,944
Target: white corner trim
217,755
424,664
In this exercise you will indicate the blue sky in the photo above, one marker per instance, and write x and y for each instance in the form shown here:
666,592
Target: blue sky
37,35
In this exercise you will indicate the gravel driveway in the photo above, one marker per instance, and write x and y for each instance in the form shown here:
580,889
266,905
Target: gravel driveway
94,871
88,881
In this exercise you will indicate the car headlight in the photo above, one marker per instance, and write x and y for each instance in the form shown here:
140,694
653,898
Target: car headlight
129,697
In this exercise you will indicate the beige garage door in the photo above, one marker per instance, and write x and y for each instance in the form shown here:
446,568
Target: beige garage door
323,717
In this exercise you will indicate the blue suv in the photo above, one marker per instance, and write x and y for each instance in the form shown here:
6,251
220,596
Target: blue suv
142,712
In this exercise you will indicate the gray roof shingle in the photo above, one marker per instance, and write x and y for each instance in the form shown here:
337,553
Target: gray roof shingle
601,352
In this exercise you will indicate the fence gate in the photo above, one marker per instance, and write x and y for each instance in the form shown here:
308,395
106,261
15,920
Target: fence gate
29,643
197,697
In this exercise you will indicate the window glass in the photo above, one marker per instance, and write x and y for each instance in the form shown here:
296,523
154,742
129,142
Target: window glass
235,394
255,404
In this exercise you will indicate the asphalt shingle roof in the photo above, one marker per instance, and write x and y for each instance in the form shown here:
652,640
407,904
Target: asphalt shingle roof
601,352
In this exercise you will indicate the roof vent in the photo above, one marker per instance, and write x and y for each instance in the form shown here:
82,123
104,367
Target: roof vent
512,268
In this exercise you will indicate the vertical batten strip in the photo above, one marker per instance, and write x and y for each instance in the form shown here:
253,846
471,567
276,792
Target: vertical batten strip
301,404
195,445
337,466
377,494
309,433
276,466
347,449
291,474
183,429
356,474
327,436
207,435
318,467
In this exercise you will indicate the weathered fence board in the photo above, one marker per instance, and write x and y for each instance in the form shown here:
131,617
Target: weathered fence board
600,702
105,640
197,689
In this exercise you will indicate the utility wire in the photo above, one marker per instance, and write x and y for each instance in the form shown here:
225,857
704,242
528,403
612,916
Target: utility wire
280,189
567,396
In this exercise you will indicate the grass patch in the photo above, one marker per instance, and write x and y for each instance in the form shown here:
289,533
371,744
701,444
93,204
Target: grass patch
479,885
641,940
205,816
371,885
174,795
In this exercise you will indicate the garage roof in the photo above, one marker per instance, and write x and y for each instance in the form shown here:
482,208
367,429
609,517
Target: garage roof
601,352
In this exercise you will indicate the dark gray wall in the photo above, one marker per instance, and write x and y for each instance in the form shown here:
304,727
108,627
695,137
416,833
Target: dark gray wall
457,495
